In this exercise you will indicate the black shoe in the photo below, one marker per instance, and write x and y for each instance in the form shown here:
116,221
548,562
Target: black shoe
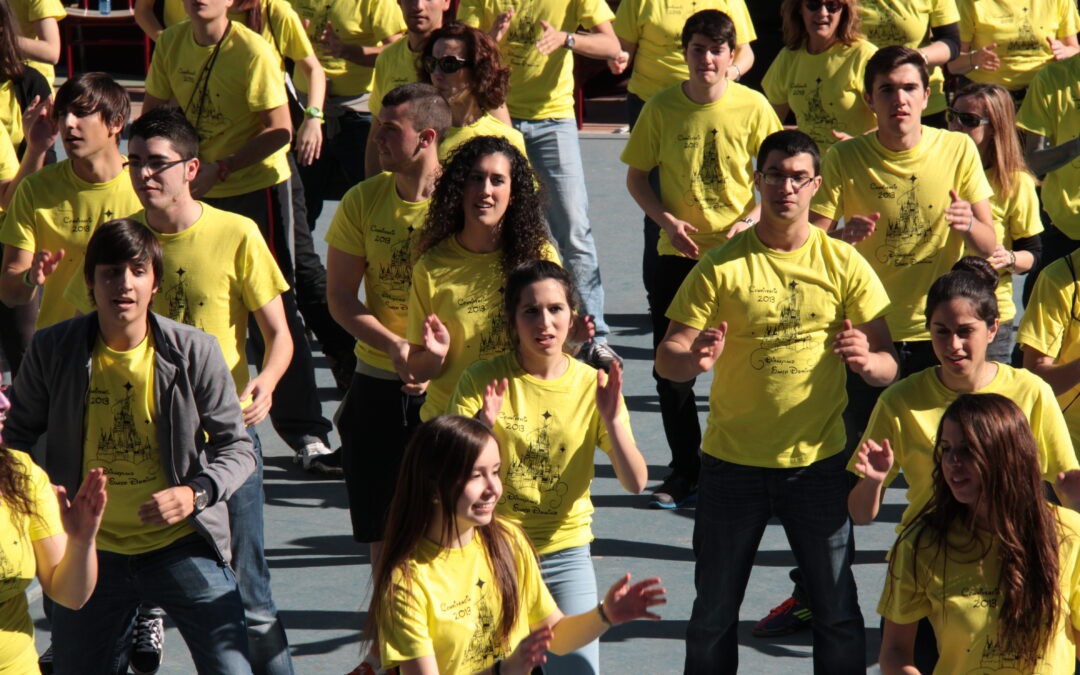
149,646
675,492
599,355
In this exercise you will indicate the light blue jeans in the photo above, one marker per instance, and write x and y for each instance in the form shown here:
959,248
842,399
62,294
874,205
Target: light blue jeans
555,154
571,578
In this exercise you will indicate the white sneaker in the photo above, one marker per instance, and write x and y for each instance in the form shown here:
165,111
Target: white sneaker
319,458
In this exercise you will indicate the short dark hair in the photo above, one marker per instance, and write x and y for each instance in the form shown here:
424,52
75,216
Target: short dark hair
91,93
713,24
429,110
528,273
119,242
888,59
170,124
790,142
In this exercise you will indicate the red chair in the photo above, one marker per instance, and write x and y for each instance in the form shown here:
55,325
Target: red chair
86,27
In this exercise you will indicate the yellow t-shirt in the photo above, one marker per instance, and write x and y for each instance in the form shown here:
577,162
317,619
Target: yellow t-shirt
1051,108
706,156
1016,216
18,565
373,222
908,414
541,87
11,113
487,125
174,12
282,26
216,272
825,91
908,23
548,431
1020,30
655,26
783,311
912,244
395,66
452,607
958,591
465,290
29,11
1051,325
55,209
9,160
356,22
121,436
243,80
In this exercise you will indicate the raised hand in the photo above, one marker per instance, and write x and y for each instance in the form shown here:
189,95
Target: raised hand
436,337
40,129
493,399
529,653
44,263
959,214
853,347
679,232
82,518
858,228
985,58
582,329
331,43
875,461
708,345
206,179
609,392
501,25
624,602
551,40
1061,50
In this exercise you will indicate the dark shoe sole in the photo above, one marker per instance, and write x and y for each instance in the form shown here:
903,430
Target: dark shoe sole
687,501
779,633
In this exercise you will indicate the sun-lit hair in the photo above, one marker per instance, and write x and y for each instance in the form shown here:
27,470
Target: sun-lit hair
1023,529
849,31
11,62
1005,155
490,79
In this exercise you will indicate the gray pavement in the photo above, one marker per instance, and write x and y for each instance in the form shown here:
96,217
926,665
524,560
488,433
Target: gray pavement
320,576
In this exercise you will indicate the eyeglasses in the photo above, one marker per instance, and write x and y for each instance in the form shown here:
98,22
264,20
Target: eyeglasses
781,180
831,6
155,166
965,119
447,64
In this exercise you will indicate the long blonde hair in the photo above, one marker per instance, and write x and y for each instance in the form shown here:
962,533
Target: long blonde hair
1005,155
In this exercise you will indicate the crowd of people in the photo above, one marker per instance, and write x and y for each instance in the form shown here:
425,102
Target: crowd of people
837,244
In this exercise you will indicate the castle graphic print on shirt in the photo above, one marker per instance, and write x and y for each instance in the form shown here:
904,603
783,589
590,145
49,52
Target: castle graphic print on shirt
783,336
123,446
909,236
706,179
533,482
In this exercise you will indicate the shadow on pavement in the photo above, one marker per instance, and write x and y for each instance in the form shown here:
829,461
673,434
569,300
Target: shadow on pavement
623,548
665,629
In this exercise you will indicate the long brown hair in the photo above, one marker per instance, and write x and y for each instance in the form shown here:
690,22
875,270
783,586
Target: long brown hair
253,13
11,63
15,487
849,31
1006,157
437,463
1001,449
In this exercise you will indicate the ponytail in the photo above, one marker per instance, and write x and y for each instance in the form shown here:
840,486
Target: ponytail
972,278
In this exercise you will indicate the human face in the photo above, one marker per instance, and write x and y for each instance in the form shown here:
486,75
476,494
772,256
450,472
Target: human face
452,86
957,466
487,191
423,16
476,505
88,135
823,22
898,99
980,133
396,140
159,174
207,10
542,318
122,293
790,200
960,338
708,60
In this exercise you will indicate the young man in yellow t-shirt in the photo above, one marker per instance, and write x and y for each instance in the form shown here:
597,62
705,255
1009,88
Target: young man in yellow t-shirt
538,39
136,393
685,130
779,310
229,83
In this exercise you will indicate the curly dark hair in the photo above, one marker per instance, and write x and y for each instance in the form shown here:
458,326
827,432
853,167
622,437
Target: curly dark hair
490,78
15,487
524,231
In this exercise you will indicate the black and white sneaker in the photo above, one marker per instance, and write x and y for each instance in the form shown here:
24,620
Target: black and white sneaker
599,355
148,650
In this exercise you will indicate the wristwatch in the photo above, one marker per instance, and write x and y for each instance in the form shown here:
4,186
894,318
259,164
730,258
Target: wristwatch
202,500
570,41
312,111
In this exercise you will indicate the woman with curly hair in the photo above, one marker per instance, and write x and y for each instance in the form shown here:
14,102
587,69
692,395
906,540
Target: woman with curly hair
989,562
484,219
465,66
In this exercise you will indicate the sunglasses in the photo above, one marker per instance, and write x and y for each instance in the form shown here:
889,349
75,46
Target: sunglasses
965,119
831,6
447,64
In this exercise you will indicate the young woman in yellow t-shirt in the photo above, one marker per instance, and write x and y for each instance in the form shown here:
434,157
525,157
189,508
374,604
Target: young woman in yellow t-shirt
550,412
457,589
987,114
988,561
42,533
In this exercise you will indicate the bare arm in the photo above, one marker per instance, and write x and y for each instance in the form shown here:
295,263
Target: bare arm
678,231
629,465
897,655
1061,377
151,102
13,288
981,237
144,16
279,352
868,350
742,63
601,43
687,352
782,110
363,55
47,47
874,462
309,137
1042,158
67,562
276,134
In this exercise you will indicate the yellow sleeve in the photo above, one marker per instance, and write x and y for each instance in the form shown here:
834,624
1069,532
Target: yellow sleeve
346,232
157,82
267,88
46,521
18,222
902,600
695,303
46,9
592,13
1035,114
776,82
766,123
828,201
944,12
967,22
744,25
9,161
468,396
627,23
974,187
1070,585
262,278
1051,434
385,20
642,149
404,633
1049,310
866,299
78,294
471,13
1069,19
419,304
1023,219
294,40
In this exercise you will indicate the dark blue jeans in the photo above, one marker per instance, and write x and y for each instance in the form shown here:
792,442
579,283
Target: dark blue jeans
735,502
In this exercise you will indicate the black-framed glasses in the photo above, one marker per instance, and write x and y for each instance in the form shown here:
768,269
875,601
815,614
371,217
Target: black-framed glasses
781,180
831,6
154,166
447,64
965,119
